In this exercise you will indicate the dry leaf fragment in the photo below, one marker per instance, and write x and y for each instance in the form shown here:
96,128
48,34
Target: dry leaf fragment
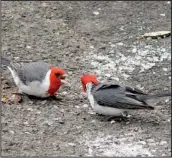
154,35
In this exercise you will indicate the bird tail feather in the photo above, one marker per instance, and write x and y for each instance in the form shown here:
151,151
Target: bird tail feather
154,98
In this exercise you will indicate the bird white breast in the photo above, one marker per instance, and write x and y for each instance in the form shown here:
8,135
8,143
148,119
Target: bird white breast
35,88
101,109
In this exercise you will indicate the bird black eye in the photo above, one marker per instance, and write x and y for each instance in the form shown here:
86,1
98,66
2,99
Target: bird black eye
57,74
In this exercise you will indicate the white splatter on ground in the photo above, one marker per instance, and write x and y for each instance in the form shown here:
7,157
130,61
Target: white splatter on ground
120,66
111,145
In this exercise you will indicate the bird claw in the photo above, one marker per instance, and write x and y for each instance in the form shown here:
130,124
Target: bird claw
119,118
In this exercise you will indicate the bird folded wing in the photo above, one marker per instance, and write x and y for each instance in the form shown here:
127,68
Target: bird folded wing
118,97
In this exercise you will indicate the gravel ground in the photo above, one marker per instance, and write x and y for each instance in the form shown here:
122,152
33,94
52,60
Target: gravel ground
87,37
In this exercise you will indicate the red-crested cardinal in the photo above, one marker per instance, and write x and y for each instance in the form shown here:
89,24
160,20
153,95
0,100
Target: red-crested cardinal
114,99
36,78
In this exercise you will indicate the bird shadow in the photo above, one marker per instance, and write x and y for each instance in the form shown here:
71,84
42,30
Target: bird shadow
129,120
50,98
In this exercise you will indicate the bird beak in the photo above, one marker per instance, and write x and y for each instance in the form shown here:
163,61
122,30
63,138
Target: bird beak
63,79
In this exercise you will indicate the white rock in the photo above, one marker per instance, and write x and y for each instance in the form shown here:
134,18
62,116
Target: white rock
165,69
30,109
91,47
26,123
71,144
28,47
162,14
96,13
113,121
12,132
93,121
142,142
163,142
134,50
64,93
85,105
108,75
120,44
166,100
16,58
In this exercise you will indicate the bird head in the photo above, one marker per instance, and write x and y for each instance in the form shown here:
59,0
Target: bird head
87,78
58,75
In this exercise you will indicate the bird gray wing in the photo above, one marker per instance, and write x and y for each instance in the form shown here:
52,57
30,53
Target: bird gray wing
28,72
117,96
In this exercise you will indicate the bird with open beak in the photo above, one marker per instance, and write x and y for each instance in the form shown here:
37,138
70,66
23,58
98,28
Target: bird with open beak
115,99
36,78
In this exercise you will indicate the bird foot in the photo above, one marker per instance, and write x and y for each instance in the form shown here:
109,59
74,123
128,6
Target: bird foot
123,117
54,97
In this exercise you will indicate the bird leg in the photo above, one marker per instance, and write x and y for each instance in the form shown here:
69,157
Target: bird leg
119,118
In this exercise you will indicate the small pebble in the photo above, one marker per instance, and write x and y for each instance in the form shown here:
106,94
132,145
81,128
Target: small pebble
127,123
44,102
93,121
108,75
85,105
26,123
30,109
165,69
28,47
12,132
162,14
96,13
71,144
120,44
150,140
142,142
38,112
64,93
61,122
134,50
169,120
117,142
27,132
91,112
113,121
17,58
166,100
91,47
163,142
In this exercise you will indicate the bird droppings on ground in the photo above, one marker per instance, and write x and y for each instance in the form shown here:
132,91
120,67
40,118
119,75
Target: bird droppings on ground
141,56
85,42
109,145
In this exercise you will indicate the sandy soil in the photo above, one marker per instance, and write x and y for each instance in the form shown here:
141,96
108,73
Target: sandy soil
87,37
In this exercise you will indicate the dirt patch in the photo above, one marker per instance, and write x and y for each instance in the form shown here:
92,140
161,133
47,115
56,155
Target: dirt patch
87,37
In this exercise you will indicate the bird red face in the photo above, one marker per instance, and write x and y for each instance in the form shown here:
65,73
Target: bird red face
88,78
58,74
57,78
